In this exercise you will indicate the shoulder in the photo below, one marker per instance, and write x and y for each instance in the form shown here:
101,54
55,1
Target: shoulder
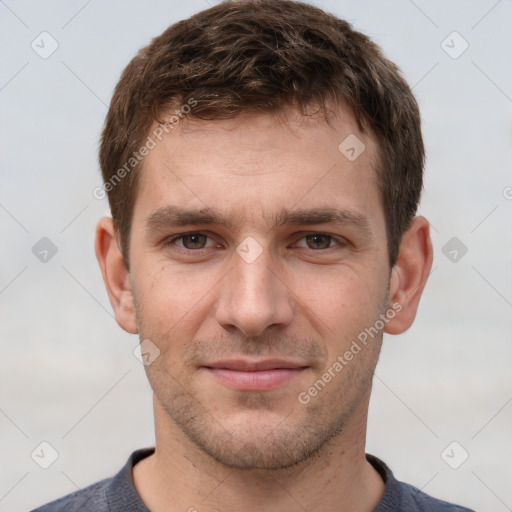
402,497
110,494
414,499
94,497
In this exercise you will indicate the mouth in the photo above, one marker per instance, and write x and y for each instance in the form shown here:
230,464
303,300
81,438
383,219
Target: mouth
244,375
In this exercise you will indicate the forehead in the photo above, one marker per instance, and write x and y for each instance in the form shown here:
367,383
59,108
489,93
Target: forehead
255,166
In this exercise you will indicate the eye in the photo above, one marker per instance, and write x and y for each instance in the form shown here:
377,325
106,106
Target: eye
320,241
196,241
190,241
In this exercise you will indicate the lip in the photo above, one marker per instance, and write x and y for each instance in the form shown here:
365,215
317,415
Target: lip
245,365
246,375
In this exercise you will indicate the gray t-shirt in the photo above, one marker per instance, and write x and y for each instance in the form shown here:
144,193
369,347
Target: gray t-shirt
118,494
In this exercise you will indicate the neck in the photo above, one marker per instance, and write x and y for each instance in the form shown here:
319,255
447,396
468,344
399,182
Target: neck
180,476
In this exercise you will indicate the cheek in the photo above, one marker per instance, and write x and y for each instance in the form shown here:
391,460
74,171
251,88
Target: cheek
171,302
340,301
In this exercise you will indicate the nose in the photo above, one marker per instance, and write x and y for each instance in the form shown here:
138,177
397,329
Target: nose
254,296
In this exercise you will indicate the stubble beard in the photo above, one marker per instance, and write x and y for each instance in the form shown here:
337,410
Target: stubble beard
289,438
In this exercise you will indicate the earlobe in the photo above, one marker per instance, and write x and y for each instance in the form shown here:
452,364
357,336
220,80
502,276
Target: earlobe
409,275
115,275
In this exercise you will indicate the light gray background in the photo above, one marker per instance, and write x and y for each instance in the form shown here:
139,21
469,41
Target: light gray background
68,373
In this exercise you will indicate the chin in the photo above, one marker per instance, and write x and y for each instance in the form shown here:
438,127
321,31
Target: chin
255,438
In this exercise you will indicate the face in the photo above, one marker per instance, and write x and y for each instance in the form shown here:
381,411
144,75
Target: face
258,256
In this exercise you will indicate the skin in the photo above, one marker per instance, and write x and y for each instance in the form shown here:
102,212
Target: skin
303,299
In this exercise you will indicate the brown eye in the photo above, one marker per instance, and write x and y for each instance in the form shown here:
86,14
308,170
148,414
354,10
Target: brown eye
194,241
318,241
190,241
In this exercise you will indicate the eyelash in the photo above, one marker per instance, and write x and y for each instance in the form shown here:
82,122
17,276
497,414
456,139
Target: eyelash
170,242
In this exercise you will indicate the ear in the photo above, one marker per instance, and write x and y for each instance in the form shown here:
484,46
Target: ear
115,275
409,275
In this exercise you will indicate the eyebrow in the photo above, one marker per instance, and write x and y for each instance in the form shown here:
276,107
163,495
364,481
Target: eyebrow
173,216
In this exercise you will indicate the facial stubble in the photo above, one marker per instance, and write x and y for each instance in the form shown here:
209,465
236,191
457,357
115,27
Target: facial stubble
293,433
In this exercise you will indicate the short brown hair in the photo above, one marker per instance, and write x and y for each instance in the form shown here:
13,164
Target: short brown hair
265,55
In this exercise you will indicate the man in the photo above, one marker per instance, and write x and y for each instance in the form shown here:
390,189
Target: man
263,163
